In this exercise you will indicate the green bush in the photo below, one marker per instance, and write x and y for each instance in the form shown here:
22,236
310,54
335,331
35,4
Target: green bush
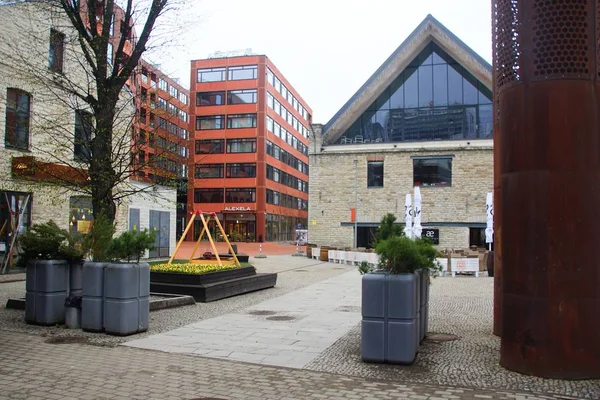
48,241
388,228
96,242
130,246
401,255
364,268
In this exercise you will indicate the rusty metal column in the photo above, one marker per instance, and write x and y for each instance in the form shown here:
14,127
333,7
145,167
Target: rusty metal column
547,83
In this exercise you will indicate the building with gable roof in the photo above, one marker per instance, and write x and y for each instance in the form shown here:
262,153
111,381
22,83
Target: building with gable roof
424,118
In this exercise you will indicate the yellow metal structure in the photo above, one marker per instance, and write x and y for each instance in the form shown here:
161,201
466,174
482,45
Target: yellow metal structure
229,261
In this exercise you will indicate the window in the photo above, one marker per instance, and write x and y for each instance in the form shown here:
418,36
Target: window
477,237
162,84
57,50
241,146
183,133
237,121
208,195
241,170
211,75
270,100
17,119
270,76
172,109
183,98
202,171
245,195
241,96
209,146
83,135
162,103
210,122
433,171
375,174
270,124
244,72
173,91
109,54
210,99
183,116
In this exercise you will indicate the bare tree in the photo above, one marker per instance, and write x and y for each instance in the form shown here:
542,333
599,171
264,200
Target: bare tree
97,89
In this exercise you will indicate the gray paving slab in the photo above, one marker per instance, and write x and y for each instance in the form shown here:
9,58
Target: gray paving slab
289,331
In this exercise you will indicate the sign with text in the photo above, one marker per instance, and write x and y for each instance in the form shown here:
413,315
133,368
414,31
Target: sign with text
237,209
431,234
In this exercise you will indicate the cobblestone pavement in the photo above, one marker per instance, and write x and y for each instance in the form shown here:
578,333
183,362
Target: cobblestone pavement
460,306
31,369
293,273
12,278
288,331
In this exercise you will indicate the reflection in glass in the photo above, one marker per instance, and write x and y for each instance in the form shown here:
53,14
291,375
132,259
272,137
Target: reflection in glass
471,123
411,88
426,86
486,121
440,85
397,93
469,90
455,94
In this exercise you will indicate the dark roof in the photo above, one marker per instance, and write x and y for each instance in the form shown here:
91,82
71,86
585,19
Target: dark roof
429,19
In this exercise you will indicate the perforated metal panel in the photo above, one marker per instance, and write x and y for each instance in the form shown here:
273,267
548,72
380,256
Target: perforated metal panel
562,38
506,42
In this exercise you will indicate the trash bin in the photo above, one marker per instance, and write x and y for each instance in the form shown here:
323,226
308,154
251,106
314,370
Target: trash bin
73,312
234,247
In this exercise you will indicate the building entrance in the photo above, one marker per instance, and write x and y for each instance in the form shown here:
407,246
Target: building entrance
240,227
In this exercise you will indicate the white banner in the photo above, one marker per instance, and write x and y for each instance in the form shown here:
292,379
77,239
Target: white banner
489,208
417,228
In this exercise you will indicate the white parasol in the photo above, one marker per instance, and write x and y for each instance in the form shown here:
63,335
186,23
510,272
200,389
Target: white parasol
408,216
489,208
417,227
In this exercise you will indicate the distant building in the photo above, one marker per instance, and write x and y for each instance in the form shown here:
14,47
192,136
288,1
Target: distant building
423,119
250,162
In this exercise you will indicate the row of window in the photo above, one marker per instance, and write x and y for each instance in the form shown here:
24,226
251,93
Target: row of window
435,171
276,175
220,195
287,94
162,123
172,109
231,73
246,170
288,137
163,143
282,155
234,121
288,116
217,146
164,85
285,200
217,98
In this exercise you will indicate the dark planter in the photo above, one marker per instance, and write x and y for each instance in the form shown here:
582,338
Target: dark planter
203,279
390,323
47,287
75,279
490,264
92,304
423,304
126,299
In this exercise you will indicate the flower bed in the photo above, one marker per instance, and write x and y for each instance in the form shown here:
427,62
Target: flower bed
194,269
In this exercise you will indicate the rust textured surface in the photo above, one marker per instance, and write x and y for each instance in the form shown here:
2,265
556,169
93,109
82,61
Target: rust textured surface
548,179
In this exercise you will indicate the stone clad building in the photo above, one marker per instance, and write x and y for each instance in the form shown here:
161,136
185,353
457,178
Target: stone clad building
423,119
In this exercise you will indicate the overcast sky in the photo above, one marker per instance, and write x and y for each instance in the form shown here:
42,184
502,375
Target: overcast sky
325,48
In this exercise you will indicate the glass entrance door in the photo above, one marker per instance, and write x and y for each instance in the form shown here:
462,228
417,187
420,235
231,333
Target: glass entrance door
241,231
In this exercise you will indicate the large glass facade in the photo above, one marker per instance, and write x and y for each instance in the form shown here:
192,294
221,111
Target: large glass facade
434,98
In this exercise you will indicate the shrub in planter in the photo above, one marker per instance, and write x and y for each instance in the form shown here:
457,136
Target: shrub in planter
127,284
51,256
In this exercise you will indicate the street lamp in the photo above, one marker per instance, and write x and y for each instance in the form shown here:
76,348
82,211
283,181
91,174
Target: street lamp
355,204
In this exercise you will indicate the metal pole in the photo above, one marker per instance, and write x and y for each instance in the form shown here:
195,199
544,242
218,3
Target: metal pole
355,204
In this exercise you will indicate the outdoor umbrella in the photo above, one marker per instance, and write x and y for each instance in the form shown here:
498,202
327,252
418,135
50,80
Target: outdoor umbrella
408,216
489,230
417,228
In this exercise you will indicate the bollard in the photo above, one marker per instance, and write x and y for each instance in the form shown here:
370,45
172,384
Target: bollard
260,254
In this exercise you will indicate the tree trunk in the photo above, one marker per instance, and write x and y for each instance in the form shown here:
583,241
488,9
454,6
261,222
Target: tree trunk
101,171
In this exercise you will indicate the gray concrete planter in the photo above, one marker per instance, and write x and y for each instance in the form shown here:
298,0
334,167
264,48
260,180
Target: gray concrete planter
126,300
423,304
390,323
47,287
92,304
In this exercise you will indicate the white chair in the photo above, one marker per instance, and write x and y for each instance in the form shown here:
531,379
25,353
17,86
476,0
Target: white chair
358,139
340,257
316,253
350,257
373,259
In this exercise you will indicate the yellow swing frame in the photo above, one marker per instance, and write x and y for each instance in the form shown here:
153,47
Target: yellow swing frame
228,261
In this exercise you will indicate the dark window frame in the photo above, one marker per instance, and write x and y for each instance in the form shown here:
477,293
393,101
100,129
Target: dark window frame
84,127
201,95
231,118
239,142
17,128
231,93
421,181
201,71
212,192
231,167
201,118
219,168
374,179
230,198
232,70
56,53
218,148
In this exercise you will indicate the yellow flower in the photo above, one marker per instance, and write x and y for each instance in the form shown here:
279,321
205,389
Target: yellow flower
195,269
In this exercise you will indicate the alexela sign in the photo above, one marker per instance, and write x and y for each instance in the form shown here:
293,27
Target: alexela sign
237,209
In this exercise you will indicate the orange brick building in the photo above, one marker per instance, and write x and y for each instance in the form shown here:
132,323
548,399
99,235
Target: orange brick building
249,153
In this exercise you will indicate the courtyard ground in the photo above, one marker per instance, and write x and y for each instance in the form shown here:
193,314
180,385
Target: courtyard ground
299,340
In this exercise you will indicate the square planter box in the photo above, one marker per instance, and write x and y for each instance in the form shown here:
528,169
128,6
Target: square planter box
390,323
